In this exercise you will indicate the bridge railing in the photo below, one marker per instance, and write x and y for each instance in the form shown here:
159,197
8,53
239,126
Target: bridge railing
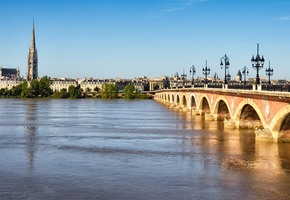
198,85
276,88
215,85
239,86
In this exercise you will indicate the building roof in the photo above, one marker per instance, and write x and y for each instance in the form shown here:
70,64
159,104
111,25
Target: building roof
239,73
8,71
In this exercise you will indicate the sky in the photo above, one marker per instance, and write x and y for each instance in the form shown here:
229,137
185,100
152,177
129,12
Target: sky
153,38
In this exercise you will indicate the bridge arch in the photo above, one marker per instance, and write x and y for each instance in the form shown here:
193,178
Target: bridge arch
192,101
284,133
204,104
177,99
184,101
249,115
172,99
168,98
281,123
222,108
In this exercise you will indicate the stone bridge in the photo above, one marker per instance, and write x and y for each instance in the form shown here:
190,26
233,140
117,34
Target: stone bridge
266,112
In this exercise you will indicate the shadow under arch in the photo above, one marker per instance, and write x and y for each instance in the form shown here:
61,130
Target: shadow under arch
168,98
192,101
285,128
184,101
249,118
204,104
222,109
172,99
253,107
177,99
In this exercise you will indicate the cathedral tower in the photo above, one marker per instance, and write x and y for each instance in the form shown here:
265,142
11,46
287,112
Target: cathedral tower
32,70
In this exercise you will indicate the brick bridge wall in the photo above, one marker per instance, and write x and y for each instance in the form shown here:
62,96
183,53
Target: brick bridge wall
267,112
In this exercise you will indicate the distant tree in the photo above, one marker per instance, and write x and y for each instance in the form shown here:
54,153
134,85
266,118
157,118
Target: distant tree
24,88
61,94
130,92
36,89
109,91
96,89
34,85
4,92
71,91
16,90
44,87
30,93
75,92
88,90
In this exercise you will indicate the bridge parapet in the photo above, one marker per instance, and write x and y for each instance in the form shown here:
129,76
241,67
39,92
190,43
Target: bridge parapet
267,112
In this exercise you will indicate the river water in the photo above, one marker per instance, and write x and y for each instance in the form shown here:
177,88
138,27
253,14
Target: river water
94,149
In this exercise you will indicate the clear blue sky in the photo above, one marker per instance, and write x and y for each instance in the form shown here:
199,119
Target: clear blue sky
133,38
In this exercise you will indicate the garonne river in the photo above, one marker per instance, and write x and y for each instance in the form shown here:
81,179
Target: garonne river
119,149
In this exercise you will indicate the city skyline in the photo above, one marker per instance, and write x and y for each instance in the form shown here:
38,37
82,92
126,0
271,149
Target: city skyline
110,38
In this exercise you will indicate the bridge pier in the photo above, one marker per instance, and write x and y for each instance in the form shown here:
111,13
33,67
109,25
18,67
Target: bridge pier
194,111
209,117
264,135
231,124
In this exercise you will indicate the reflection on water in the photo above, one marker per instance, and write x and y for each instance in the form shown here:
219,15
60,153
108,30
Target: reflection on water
94,149
31,127
284,155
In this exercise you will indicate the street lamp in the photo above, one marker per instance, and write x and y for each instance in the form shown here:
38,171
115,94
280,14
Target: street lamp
258,63
176,79
183,77
192,72
226,65
269,72
206,71
228,76
215,76
245,73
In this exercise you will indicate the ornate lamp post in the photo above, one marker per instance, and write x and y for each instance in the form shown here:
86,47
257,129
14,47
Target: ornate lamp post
215,76
226,65
176,79
206,71
269,73
183,77
192,72
258,63
245,73
228,76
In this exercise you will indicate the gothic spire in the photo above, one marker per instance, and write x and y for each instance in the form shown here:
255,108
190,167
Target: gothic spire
32,70
32,44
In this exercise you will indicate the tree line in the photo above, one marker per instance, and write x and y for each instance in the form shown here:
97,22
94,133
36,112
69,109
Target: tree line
41,88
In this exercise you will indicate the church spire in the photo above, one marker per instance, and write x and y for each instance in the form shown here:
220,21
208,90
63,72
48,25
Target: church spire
32,44
32,70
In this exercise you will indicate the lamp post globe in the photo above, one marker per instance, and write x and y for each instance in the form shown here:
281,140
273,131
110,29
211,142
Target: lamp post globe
269,73
206,71
245,73
192,71
258,63
225,62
